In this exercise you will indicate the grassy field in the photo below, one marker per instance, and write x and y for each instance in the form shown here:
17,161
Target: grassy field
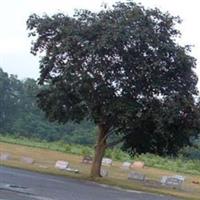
45,160
178,165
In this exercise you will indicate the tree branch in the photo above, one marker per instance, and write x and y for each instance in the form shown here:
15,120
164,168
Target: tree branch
118,141
110,132
115,142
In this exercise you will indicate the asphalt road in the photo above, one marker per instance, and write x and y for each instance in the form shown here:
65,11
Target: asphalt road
18,184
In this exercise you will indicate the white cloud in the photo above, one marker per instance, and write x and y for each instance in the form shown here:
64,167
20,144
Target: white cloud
12,45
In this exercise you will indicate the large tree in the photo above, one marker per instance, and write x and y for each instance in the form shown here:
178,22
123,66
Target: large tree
108,66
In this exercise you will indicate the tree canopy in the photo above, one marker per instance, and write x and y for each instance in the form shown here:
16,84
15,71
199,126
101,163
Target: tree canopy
109,66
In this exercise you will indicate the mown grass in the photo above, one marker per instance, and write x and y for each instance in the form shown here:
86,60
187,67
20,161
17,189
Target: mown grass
173,164
76,149
45,160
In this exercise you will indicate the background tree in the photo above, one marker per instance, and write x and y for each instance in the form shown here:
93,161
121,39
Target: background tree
108,66
8,100
164,126
20,115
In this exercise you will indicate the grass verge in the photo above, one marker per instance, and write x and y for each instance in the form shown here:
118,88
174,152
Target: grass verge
45,160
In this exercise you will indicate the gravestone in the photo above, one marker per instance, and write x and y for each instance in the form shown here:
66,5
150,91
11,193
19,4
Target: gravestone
172,181
137,164
126,165
5,156
27,160
61,164
106,162
104,172
136,176
72,170
87,159
163,179
181,178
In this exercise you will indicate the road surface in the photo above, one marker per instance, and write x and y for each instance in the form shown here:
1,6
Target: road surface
18,184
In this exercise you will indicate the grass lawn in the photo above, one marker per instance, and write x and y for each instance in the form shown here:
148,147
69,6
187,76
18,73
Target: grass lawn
45,160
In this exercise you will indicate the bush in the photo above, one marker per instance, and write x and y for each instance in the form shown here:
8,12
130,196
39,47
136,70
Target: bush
68,148
108,153
192,153
86,151
179,164
118,154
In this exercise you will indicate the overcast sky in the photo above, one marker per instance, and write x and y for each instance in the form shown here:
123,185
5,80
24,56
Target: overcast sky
15,57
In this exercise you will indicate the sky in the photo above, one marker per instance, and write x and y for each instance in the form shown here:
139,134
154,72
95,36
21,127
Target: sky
15,56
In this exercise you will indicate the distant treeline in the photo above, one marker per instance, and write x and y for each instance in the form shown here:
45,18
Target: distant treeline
20,116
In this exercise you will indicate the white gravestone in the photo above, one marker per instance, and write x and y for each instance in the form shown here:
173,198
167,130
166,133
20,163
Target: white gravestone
104,172
27,160
163,179
173,181
126,165
60,164
5,156
87,159
106,162
181,178
136,176
72,170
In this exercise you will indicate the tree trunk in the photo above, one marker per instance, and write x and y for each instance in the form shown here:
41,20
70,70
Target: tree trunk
99,151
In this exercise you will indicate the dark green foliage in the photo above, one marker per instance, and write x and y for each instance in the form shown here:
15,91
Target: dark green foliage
82,133
121,68
192,152
9,99
178,164
164,126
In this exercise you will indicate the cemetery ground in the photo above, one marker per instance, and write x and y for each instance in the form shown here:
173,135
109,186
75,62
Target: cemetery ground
45,159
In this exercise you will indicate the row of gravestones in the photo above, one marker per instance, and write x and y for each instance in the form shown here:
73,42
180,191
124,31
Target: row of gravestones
175,181
171,181
86,160
108,162
7,156
59,164
64,165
